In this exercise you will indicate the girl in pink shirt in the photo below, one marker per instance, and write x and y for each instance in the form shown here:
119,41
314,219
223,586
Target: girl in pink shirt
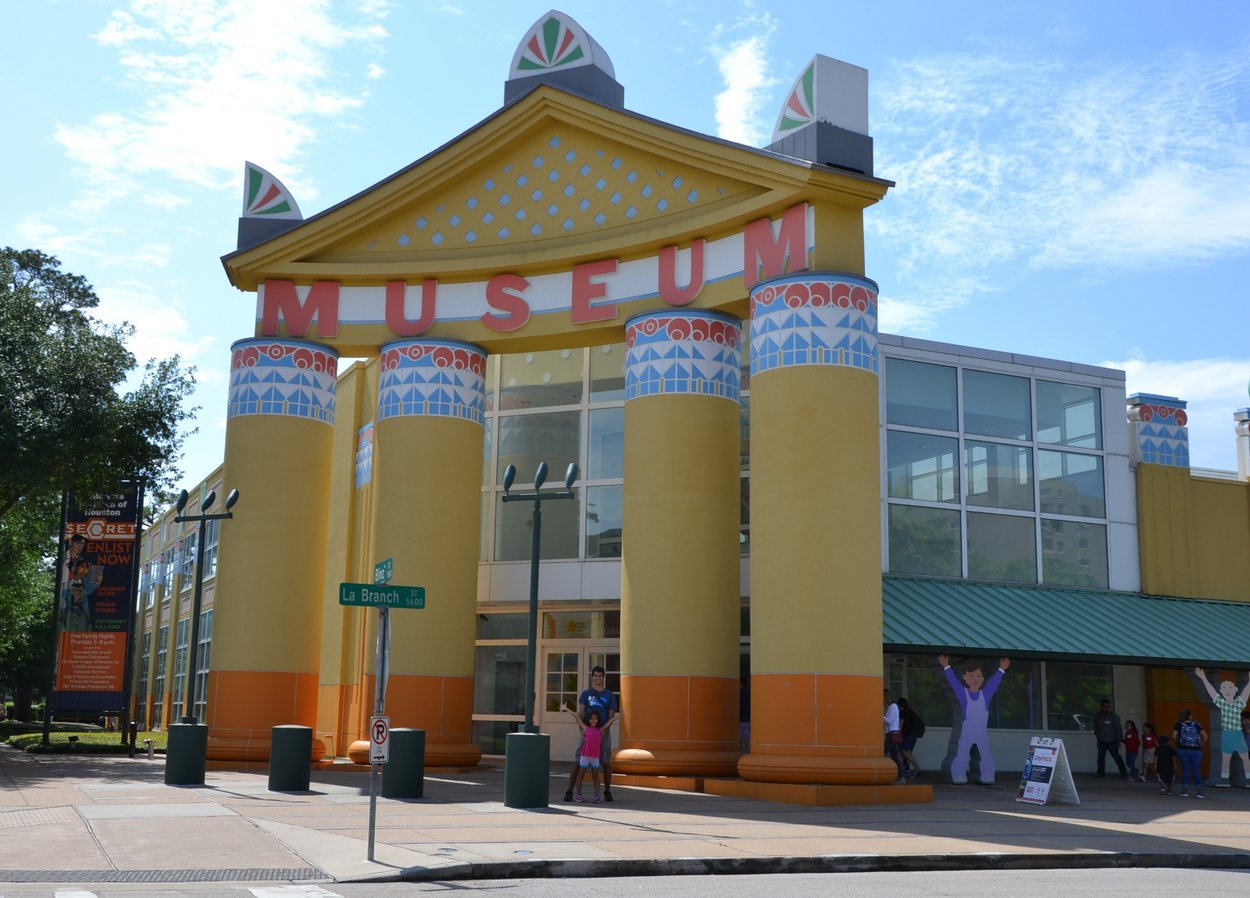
592,740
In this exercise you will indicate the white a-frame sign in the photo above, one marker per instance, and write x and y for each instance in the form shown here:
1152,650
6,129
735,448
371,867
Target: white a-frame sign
1047,775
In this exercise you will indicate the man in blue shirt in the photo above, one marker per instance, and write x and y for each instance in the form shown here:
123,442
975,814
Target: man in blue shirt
597,698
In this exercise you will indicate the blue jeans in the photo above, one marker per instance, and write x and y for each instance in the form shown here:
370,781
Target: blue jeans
1191,767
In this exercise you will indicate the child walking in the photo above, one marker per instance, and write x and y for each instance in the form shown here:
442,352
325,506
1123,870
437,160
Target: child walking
1132,747
1149,742
592,742
1165,762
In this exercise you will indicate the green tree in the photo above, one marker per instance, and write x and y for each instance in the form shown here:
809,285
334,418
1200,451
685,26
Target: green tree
26,536
68,422
65,422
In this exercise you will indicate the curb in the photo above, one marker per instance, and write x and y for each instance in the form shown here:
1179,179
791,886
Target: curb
626,867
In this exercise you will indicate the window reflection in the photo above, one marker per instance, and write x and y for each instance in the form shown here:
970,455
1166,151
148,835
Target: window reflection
997,405
922,466
918,394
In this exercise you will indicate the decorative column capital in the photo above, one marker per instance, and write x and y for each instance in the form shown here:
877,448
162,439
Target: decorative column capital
814,318
1160,434
689,352
432,377
290,378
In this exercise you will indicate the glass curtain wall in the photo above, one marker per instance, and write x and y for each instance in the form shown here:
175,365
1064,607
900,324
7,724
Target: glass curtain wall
994,476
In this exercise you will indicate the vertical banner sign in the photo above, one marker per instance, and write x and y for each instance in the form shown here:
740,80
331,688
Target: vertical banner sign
95,601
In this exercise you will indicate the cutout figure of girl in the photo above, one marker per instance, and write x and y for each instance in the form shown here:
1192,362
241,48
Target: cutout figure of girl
972,728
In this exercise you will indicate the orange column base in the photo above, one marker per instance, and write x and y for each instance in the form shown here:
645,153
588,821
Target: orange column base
817,728
245,705
678,726
442,706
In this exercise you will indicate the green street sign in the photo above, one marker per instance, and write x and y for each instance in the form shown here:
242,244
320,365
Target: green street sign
383,570
389,596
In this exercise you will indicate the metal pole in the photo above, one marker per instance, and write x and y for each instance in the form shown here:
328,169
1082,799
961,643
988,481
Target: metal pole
531,647
381,669
188,712
53,654
132,637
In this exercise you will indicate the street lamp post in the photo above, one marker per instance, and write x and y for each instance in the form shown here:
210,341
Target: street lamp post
527,755
186,755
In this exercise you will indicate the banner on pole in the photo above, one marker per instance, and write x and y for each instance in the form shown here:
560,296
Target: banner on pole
95,601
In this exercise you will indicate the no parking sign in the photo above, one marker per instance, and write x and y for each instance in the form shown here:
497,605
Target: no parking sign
379,740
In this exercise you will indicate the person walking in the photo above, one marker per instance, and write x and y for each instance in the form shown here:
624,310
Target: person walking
1190,736
1109,733
912,728
894,738
1132,746
1165,763
1149,744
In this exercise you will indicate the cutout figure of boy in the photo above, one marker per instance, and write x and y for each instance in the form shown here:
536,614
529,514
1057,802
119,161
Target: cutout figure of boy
972,726
1230,704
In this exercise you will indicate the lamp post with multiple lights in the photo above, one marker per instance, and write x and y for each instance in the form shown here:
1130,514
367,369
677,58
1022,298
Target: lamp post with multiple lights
527,755
187,753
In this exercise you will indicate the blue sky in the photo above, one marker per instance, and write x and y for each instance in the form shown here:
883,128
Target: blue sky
1073,178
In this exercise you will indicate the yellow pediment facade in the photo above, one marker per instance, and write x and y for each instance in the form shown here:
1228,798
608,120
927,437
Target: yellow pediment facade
550,182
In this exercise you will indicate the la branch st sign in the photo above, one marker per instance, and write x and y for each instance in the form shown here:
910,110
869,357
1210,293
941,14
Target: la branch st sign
589,292
371,595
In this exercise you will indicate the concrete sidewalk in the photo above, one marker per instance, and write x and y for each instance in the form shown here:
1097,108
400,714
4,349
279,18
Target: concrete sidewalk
102,819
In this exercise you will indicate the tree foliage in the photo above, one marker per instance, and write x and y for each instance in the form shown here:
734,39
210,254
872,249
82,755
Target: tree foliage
74,416
26,536
66,420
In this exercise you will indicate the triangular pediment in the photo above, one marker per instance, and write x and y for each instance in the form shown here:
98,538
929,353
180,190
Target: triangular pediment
550,178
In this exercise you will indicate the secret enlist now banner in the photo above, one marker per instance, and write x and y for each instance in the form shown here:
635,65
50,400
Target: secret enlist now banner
95,601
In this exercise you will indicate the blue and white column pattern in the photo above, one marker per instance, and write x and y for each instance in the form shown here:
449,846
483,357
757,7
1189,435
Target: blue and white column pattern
683,352
432,377
814,318
1161,436
282,377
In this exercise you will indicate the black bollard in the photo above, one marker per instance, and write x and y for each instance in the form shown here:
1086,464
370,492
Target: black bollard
403,775
290,758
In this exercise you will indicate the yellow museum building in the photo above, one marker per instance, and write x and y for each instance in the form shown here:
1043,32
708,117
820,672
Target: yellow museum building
779,510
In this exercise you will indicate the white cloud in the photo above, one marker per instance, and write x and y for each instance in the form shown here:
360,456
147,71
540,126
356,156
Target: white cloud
161,327
217,83
1027,162
1212,388
99,244
743,65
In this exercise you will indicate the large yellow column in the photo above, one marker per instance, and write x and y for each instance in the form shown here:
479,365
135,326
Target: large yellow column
266,641
815,534
680,579
427,469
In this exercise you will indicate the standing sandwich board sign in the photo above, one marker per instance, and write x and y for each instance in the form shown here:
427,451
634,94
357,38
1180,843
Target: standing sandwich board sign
1047,775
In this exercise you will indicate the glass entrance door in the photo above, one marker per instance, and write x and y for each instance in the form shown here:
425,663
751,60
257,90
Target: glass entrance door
566,672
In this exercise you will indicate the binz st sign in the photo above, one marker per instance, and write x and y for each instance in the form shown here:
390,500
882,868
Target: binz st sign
588,293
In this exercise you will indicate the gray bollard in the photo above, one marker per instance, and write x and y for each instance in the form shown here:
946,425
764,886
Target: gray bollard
186,754
290,758
526,770
403,776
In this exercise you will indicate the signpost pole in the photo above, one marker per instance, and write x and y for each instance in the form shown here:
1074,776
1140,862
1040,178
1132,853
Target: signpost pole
381,575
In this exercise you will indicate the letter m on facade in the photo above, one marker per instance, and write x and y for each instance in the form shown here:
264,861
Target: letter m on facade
281,304
766,254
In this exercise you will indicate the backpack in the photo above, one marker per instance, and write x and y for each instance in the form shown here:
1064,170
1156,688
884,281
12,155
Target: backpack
1188,735
919,726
